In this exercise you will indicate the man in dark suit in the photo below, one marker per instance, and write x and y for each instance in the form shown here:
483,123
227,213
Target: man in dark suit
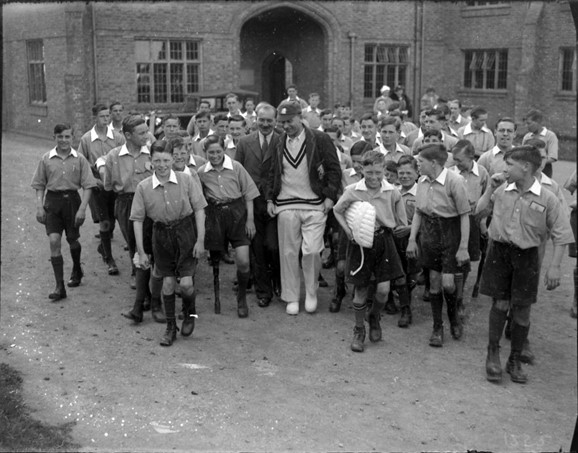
254,152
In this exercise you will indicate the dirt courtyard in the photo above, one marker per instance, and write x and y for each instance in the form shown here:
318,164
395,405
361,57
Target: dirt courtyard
270,382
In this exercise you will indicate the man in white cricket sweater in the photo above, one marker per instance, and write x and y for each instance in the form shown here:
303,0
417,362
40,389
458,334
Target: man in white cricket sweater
303,185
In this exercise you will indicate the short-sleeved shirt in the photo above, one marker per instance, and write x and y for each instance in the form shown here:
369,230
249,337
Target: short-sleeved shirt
389,208
229,183
448,141
92,147
409,201
481,139
549,138
56,173
400,151
196,162
493,161
445,196
553,187
476,182
166,202
526,219
123,172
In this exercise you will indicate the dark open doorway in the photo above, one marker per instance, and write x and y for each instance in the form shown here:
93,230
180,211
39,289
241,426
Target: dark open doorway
274,71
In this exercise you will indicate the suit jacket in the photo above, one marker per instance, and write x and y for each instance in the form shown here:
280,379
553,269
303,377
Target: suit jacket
249,156
324,168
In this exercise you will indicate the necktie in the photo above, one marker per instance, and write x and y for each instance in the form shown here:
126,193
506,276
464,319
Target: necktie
264,147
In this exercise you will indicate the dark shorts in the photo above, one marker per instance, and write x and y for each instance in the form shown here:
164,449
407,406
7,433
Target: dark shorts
173,246
102,204
511,273
410,265
474,244
224,224
439,239
381,262
61,209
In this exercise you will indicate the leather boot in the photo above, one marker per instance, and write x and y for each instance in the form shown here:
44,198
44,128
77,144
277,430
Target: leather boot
358,339
404,301
170,334
157,310
136,314
390,307
406,317
493,365
437,337
338,295
59,292
527,356
242,309
455,323
374,327
189,313
514,367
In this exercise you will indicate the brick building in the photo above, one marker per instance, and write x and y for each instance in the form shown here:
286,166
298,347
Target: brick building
61,58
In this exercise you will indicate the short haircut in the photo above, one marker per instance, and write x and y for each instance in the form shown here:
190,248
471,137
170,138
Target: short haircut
536,143
231,95
439,114
212,140
525,153
171,116
477,112
236,118
389,121
407,160
372,157
337,118
221,116
291,86
507,119
337,105
456,101
368,117
360,148
131,122
182,133
313,95
204,101
266,106
203,114
331,129
434,151
465,146
535,115
97,108
433,133
174,143
392,166
399,87
445,109
114,103
160,146
430,90
326,112
61,127
249,100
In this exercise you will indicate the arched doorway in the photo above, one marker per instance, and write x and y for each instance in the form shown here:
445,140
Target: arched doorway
283,46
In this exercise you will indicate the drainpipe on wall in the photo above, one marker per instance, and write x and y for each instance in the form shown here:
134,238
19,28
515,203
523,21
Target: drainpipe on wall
352,36
421,50
94,59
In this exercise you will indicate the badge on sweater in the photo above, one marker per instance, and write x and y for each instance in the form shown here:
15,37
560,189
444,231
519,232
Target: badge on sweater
320,171
537,207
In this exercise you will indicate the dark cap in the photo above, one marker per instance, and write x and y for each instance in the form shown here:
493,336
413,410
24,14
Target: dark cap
288,110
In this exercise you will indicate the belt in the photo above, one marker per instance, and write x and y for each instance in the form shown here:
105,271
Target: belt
170,225
125,196
63,193
382,230
224,203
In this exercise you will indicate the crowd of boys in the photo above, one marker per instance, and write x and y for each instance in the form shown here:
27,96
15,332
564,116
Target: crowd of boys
396,204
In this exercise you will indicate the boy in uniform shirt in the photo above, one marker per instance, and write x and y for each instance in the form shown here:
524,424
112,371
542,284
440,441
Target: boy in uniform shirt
171,199
477,180
389,128
236,125
349,176
523,215
382,260
94,144
534,122
442,220
59,175
407,173
230,191
493,159
122,169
